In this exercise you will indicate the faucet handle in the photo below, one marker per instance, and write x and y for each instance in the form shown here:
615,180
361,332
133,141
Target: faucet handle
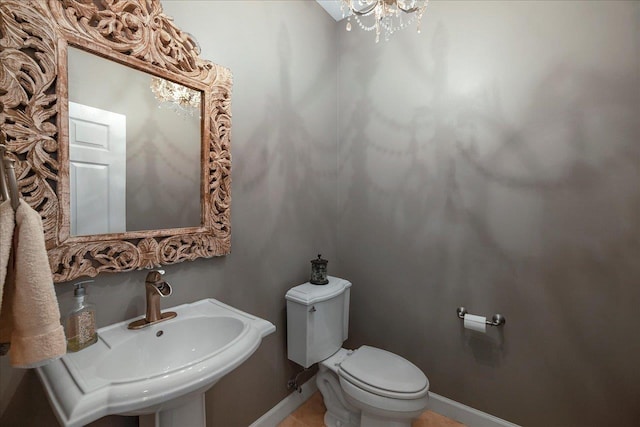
164,289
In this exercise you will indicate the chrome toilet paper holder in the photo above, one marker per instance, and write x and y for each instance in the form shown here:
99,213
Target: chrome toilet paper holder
496,320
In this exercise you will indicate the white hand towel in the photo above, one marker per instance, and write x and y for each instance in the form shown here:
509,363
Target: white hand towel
7,222
37,336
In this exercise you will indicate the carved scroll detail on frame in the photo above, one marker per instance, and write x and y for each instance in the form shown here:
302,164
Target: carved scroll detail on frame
135,32
28,109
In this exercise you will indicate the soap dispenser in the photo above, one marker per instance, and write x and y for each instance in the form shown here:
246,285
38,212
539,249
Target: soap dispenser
80,326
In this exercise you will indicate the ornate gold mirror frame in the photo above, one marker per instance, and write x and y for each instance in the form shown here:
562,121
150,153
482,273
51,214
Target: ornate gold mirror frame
34,36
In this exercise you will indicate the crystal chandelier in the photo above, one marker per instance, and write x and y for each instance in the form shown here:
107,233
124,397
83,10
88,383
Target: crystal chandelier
387,16
176,97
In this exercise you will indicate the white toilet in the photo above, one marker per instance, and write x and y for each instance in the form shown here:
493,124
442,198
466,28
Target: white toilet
366,387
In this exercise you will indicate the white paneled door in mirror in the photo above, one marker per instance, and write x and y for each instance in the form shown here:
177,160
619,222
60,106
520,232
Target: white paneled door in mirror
97,170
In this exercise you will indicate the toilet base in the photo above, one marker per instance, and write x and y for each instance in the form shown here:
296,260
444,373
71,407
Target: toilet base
339,412
331,420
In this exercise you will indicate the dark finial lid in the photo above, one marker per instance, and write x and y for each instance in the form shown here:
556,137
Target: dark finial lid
319,260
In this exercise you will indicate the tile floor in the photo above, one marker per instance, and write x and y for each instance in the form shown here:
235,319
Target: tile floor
311,414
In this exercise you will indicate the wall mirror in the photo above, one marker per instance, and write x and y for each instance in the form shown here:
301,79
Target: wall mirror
134,148
120,132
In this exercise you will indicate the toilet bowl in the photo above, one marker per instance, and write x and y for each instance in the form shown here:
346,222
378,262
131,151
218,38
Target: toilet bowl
371,387
367,387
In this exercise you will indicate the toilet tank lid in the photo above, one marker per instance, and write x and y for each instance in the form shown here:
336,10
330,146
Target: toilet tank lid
309,294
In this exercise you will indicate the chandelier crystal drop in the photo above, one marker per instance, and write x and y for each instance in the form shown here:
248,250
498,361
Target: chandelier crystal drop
383,16
176,97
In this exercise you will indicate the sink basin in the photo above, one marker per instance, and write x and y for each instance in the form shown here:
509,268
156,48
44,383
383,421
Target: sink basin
156,369
136,357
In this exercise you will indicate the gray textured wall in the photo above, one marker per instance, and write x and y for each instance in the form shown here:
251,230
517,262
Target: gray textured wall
493,162
282,55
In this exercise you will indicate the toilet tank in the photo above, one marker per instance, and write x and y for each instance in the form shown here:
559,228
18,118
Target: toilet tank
317,320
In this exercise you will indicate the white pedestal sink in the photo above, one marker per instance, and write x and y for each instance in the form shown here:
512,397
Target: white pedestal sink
160,372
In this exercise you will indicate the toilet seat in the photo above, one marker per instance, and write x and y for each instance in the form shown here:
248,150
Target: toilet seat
384,374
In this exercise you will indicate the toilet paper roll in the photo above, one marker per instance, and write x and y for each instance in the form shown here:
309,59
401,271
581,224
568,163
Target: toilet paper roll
475,323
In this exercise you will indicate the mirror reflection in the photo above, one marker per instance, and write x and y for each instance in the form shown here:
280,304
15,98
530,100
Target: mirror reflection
134,149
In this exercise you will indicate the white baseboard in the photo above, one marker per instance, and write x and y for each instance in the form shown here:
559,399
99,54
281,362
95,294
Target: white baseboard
463,413
439,404
287,405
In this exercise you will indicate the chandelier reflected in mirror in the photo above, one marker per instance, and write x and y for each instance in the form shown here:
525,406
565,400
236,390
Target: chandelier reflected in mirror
176,97
383,16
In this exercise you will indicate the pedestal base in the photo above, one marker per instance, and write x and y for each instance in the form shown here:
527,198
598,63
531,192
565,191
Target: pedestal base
187,412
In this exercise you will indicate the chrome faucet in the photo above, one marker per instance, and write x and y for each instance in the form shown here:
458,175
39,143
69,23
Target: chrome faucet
155,288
